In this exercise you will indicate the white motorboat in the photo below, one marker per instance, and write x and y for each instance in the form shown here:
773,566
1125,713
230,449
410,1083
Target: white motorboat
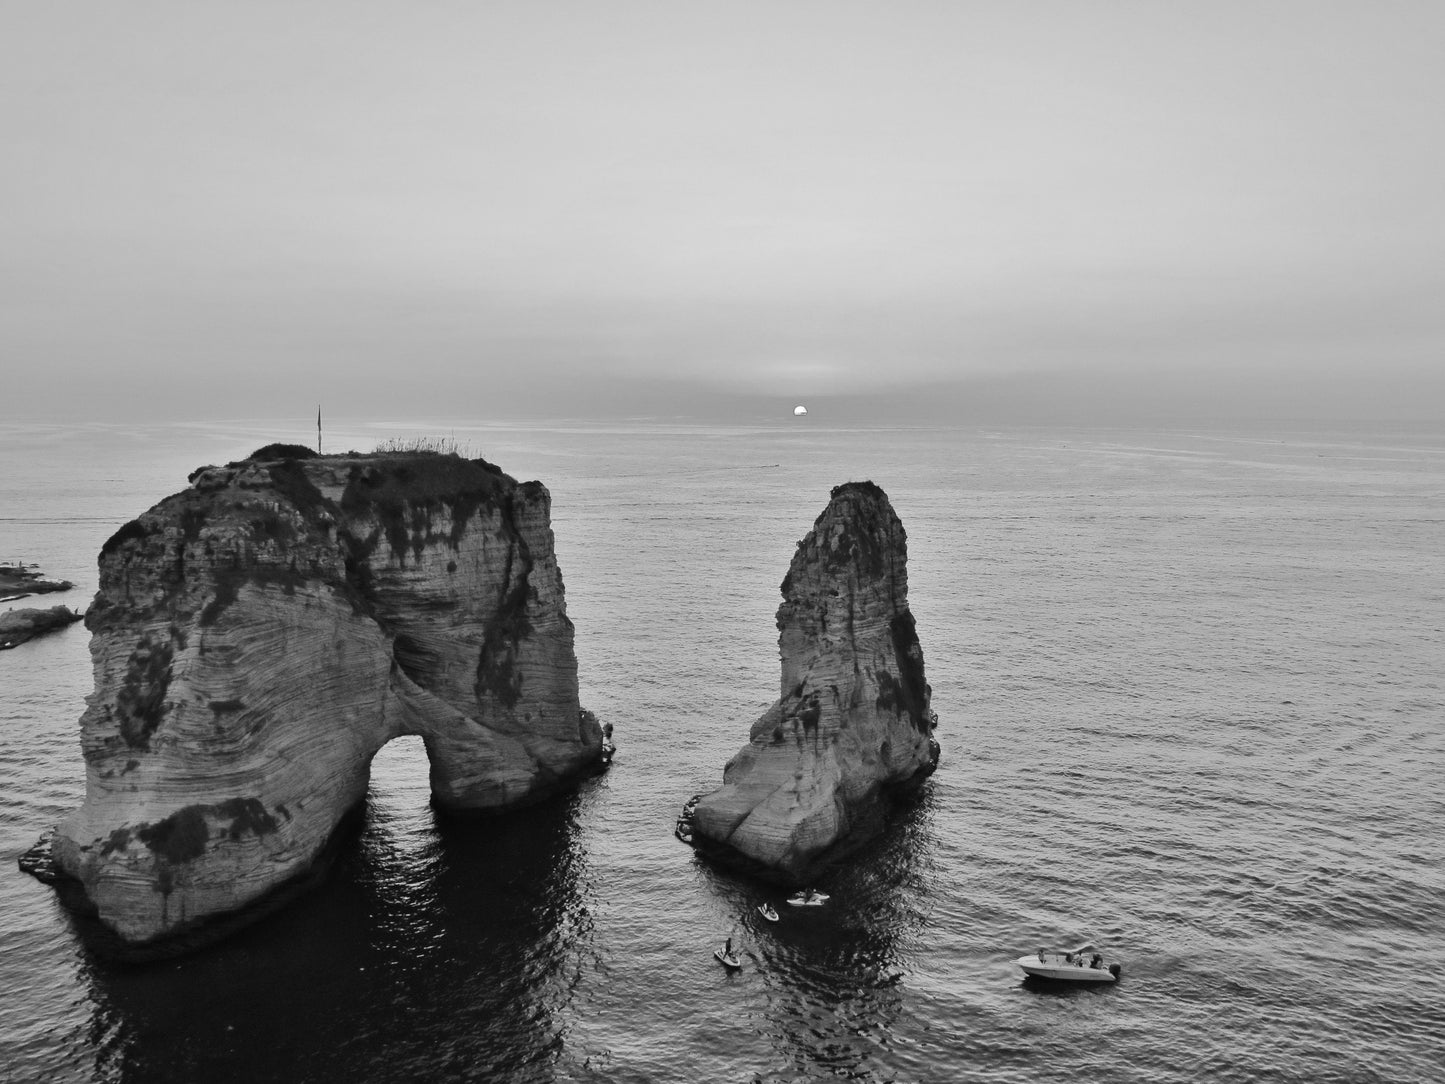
728,960
768,912
1069,967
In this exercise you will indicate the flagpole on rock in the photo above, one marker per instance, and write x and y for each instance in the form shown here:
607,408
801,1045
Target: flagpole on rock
318,428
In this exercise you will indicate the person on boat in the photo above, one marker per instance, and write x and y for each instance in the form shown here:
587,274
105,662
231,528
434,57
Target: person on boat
1041,956
728,947
1068,957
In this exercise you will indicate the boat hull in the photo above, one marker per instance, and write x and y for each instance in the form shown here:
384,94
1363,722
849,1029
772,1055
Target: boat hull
1060,970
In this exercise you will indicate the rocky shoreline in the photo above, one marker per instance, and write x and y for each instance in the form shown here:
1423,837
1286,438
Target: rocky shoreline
19,581
21,626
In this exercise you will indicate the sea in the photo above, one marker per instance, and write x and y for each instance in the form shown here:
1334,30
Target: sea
1189,689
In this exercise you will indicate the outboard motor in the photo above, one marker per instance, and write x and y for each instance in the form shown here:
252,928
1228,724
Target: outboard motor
1115,970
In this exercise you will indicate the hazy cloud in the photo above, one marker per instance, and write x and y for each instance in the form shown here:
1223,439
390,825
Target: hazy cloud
740,199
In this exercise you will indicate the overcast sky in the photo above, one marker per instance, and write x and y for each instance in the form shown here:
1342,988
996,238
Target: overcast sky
497,210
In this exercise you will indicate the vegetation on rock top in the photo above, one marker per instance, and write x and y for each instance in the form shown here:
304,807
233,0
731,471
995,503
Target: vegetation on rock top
282,451
404,491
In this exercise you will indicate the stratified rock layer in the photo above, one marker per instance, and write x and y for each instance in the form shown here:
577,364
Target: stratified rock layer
259,636
853,721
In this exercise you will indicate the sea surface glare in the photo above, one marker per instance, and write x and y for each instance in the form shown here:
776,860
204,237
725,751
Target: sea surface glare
1189,686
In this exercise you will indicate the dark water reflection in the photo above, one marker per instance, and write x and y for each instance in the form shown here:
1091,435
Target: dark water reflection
835,975
436,949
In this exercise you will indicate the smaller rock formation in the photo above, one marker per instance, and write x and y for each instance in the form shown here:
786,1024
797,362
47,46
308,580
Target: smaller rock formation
853,724
19,626
19,581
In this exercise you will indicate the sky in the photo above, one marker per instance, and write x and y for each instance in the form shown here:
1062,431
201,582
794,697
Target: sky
1022,209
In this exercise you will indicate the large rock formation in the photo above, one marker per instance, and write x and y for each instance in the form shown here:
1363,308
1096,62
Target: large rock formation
853,723
259,636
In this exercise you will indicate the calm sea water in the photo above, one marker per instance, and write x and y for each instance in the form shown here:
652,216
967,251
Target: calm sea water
1190,696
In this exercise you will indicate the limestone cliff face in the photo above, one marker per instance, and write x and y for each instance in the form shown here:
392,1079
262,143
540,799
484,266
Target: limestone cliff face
259,636
853,720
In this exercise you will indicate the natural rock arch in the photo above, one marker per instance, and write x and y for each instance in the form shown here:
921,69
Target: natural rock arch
257,639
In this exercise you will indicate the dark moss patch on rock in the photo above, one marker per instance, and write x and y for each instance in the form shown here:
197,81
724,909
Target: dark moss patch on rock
183,835
855,536
421,519
293,483
118,840
228,585
270,526
403,493
129,532
810,711
141,702
193,518
497,672
178,838
245,815
359,587
230,581
912,687
869,490
463,508
859,545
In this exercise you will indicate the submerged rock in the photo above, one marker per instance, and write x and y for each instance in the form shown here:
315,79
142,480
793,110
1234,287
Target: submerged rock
853,723
18,626
259,636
